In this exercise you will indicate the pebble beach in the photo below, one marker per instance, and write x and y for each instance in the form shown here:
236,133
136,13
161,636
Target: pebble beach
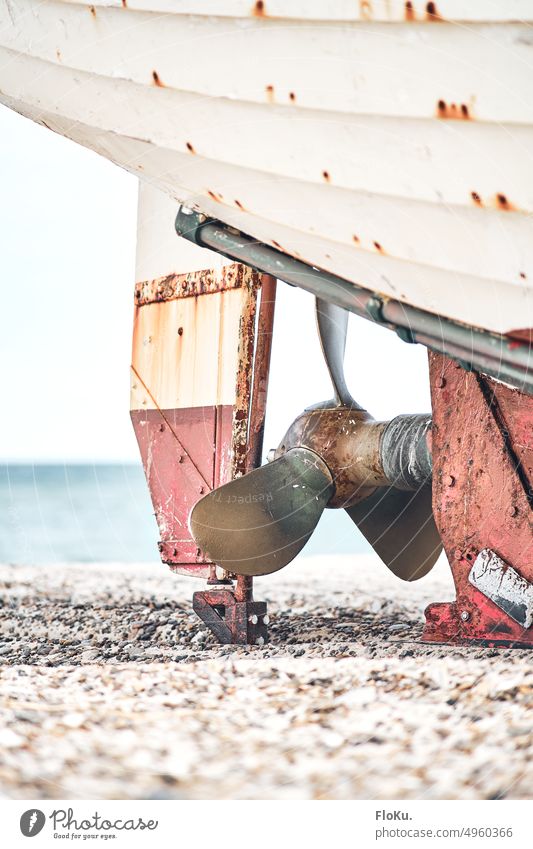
110,687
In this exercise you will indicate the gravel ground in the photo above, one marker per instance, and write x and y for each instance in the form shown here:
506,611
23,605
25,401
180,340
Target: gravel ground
111,688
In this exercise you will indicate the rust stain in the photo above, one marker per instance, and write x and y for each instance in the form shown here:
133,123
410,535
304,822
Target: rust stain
264,332
523,275
124,4
58,54
292,96
270,93
378,247
476,198
189,147
523,336
503,202
157,80
276,244
365,10
173,286
453,111
356,239
432,13
214,196
241,411
259,9
409,11
92,11
326,176
239,204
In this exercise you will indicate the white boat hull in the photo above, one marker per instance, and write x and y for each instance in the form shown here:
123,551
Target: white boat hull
395,153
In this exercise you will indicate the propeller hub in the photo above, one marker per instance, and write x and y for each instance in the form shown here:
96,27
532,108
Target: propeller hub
361,453
348,441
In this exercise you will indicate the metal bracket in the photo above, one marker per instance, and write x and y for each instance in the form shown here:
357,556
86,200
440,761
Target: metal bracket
232,621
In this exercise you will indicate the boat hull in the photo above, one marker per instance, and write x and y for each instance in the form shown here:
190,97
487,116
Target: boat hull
384,143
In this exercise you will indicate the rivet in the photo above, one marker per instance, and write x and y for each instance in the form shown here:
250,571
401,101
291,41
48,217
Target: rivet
253,619
449,480
266,619
465,616
513,510
260,641
458,554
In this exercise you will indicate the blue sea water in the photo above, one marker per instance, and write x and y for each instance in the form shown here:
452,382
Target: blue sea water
102,512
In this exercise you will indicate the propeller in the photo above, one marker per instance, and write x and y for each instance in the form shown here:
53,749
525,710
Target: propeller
333,455
258,523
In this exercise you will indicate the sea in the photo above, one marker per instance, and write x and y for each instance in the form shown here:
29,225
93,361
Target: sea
86,513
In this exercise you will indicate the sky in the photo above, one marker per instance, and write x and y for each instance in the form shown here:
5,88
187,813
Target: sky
67,257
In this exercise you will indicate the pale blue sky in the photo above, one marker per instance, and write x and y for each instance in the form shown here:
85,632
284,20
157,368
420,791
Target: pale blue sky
67,224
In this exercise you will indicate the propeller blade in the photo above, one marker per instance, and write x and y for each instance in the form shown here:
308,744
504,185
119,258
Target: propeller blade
332,322
399,525
257,524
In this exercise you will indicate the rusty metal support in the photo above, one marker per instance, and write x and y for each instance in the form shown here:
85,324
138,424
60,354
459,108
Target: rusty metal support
231,621
232,614
482,448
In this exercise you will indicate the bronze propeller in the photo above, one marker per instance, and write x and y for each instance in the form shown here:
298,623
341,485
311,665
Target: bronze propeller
333,455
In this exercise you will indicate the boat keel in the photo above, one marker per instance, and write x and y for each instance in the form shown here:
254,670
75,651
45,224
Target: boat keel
482,449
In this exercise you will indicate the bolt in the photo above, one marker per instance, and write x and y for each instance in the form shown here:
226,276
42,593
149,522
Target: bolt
201,490
260,641
266,619
198,552
271,455
253,619
174,552
458,554
449,480
161,428
465,616
441,383
180,459
513,510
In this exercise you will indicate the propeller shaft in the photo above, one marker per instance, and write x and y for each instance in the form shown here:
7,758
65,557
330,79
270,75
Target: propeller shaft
361,453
